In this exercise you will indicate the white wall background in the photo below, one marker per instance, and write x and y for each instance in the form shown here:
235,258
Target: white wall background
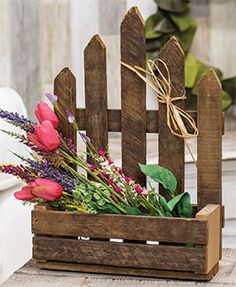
40,37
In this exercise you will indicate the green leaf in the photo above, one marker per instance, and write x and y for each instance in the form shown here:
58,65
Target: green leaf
182,202
176,6
88,197
160,175
184,206
76,194
101,202
182,20
96,196
163,203
229,85
226,100
132,210
158,24
174,201
149,28
186,37
191,70
108,209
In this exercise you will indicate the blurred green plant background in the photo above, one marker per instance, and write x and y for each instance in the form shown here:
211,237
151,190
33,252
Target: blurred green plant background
173,18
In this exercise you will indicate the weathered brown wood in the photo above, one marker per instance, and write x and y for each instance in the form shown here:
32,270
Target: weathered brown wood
211,213
65,89
117,226
155,273
209,144
119,254
114,120
209,141
96,92
133,95
171,148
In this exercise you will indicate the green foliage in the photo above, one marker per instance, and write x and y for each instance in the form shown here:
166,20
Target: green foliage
175,6
173,18
182,204
161,175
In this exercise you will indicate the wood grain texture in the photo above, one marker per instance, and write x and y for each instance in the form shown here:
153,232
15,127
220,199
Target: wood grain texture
96,92
133,96
121,227
209,141
212,213
154,273
114,120
65,89
171,148
119,254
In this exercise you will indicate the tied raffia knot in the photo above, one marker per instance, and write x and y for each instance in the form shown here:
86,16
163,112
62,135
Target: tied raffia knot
177,118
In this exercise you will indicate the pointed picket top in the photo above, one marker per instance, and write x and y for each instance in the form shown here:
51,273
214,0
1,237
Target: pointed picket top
211,83
172,48
133,16
95,41
64,73
65,89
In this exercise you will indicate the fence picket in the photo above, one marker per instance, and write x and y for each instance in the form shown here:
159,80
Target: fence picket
209,145
171,148
65,89
133,95
96,92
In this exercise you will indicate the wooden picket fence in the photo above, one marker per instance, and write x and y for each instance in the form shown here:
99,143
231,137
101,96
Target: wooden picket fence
134,122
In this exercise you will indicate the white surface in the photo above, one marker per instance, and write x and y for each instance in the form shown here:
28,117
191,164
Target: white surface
15,233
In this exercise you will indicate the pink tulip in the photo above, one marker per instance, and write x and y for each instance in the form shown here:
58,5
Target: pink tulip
44,113
45,137
40,188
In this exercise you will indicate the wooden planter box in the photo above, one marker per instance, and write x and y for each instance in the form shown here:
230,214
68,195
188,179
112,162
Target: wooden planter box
59,243
188,248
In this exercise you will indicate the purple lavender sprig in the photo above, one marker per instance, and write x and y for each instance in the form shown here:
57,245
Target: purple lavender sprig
17,120
18,171
45,169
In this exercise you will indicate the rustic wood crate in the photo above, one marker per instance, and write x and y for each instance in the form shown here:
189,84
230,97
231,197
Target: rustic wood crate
188,248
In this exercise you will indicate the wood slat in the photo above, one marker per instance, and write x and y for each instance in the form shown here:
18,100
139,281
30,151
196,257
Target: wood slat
133,95
65,89
211,213
119,254
171,148
141,272
96,93
121,227
209,143
114,120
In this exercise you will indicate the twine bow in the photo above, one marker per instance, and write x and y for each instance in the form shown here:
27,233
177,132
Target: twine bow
176,117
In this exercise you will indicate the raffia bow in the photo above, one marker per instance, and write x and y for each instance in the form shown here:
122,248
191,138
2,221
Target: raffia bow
162,86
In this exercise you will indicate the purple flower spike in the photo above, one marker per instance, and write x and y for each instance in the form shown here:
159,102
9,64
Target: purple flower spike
85,137
52,98
71,117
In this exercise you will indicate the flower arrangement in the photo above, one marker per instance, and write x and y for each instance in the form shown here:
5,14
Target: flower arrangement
50,177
